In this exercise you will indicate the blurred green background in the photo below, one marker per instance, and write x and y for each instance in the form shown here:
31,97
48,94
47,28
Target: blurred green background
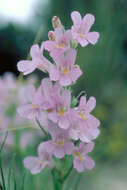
105,77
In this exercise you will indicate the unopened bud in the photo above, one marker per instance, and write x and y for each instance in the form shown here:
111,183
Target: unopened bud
51,35
56,22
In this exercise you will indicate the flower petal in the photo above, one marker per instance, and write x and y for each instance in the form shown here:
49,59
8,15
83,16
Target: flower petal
88,21
26,67
73,134
89,163
34,51
65,80
92,122
75,73
83,42
32,163
66,98
78,165
91,104
76,17
88,147
69,147
54,74
58,34
53,117
92,37
49,45
71,56
59,152
63,123
82,104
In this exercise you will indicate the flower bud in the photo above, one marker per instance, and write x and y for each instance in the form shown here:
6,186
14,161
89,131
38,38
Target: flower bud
56,22
51,35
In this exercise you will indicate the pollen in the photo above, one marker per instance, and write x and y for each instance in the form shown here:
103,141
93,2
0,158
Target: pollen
65,71
79,156
35,106
81,115
60,45
62,111
82,35
60,143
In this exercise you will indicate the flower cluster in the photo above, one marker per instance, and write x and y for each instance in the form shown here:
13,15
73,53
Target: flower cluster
69,128
11,93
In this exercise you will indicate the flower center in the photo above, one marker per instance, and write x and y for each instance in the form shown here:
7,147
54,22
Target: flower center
81,35
35,106
79,156
60,45
65,71
62,111
81,115
60,143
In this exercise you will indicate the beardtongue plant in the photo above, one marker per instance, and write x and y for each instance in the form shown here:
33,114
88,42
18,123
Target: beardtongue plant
69,128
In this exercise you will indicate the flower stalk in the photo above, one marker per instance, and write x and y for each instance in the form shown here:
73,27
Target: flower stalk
69,126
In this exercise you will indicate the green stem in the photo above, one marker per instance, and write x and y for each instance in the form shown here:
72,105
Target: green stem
57,182
78,181
58,179
68,173
3,143
43,130
2,174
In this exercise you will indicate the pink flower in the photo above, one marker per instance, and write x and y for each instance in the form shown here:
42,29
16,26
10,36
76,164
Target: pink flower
50,93
38,61
60,113
60,44
84,126
31,110
84,110
36,164
60,143
55,103
80,29
76,131
81,160
65,71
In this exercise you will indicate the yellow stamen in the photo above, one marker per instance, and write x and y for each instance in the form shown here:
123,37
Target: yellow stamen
59,45
81,115
35,106
82,35
79,156
65,71
62,111
60,143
